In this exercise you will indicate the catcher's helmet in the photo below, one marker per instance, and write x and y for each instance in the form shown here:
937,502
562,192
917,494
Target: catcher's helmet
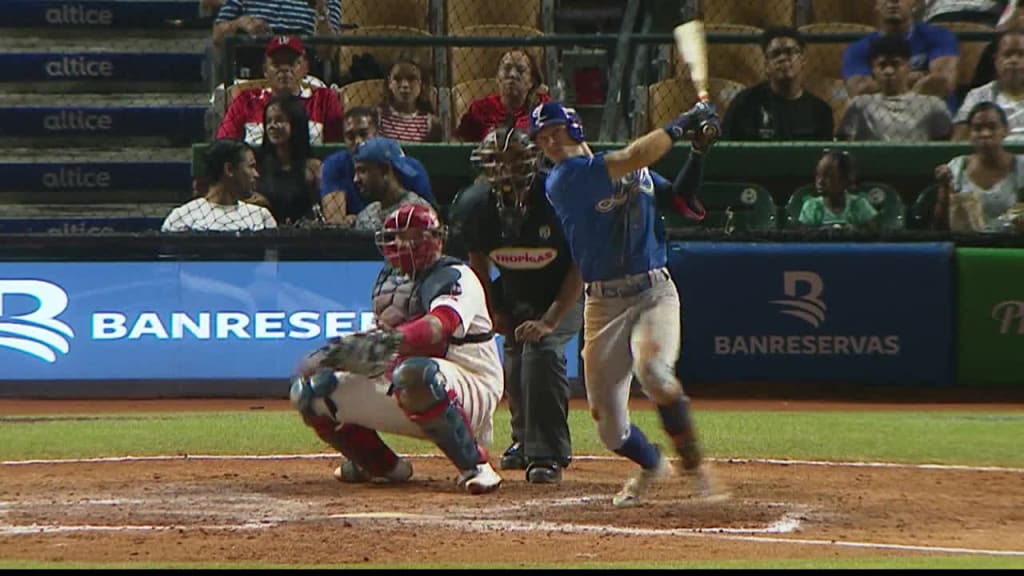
412,238
554,114
508,160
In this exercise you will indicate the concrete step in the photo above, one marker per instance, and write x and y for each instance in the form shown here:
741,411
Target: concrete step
118,64
90,119
82,218
98,15
111,175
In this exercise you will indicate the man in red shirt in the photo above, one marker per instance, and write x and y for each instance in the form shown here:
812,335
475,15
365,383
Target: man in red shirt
520,90
282,67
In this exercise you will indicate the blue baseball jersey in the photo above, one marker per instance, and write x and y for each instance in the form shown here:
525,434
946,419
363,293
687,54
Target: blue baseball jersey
614,228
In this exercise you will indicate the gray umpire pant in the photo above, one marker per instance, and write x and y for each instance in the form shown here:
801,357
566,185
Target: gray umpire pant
538,390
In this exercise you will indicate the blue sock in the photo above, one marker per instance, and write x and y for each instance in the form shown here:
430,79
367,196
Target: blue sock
675,418
639,449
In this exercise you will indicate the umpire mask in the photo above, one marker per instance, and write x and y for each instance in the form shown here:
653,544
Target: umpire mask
508,160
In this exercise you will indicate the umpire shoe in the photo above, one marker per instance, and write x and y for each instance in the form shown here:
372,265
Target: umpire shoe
350,472
544,472
480,480
638,485
514,458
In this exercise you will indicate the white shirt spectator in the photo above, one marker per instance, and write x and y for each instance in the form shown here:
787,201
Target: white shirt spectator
201,215
992,202
990,92
907,117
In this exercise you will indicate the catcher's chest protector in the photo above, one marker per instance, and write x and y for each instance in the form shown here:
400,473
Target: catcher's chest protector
394,301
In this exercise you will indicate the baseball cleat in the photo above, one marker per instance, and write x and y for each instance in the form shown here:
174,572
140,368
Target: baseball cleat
480,480
706,485
350,472
544,472
514,458
638,485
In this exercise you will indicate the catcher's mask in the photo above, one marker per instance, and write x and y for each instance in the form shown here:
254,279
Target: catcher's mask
412,238
508,159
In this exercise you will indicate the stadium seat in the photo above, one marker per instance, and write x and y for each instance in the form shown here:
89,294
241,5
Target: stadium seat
408,13
669,98
825,60
795,204
885,199
741,62
923,208
834,92
464,93
473,62
760,13
368,93
858,11
739,205
462,14
970,52
384,55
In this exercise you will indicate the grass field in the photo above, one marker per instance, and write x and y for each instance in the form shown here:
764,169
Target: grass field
942,437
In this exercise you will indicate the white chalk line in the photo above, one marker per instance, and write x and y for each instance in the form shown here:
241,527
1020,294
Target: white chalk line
593,458
783,526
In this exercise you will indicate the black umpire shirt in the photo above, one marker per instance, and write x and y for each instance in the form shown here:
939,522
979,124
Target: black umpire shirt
533,265
757,113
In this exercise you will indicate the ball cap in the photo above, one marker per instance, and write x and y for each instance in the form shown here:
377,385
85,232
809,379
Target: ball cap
384,151
285,43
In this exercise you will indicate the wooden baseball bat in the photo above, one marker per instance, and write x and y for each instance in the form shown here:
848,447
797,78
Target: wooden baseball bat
693,48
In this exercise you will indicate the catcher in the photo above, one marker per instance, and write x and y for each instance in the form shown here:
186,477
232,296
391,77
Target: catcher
430,370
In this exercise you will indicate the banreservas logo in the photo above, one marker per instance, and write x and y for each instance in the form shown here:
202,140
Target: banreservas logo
810,307
39,332
226,325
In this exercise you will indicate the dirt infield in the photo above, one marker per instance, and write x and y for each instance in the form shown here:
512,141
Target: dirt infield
291,510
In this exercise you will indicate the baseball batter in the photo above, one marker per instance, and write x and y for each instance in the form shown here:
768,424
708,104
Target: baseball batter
434,352
608,205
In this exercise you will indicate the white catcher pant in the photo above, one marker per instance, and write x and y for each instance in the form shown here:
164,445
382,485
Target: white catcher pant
623,336
364,401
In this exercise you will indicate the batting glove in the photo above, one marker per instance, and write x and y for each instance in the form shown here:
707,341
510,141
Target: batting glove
696,118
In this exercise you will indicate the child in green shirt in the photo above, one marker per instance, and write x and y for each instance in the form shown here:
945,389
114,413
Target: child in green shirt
836,204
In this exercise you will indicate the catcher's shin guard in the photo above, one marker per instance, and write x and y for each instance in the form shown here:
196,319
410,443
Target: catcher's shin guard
312,397
421,391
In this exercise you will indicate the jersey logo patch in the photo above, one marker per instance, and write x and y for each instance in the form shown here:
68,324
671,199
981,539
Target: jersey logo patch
626,188
455,290
544,232
523,258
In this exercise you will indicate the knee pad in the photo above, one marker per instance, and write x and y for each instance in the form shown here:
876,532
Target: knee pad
658,381
419,384
312,396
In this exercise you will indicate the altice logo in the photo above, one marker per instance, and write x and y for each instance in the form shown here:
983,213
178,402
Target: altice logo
809,307
39,332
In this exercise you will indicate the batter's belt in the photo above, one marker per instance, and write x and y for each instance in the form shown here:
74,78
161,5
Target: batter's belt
627,285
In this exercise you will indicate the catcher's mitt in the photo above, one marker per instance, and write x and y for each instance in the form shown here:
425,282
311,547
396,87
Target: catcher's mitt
366,353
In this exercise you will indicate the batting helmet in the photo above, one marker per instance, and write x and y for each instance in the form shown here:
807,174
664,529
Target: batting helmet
555,114
412,238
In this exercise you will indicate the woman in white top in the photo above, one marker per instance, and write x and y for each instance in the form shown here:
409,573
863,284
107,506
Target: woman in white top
231,167
978,192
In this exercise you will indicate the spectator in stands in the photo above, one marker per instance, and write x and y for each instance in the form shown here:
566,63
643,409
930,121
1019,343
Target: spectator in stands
281,18
282,67
895,113
520,89
836,205
338,196
290,180
379,162
982,191
1007,90
779,108
407,113
933,60
232,174
985,72
981,11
